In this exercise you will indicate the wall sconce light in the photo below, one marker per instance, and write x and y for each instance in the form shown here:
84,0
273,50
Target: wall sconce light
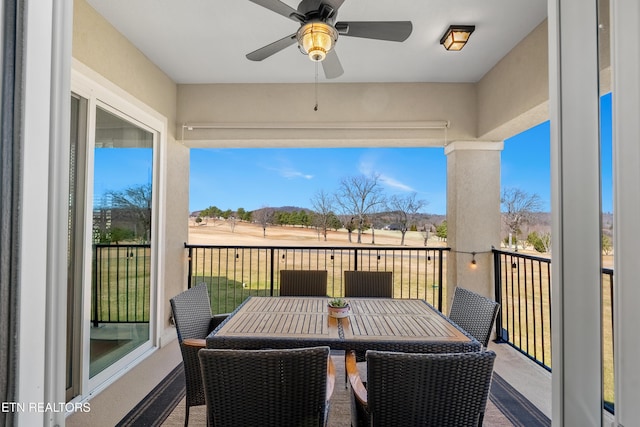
474,264
456,36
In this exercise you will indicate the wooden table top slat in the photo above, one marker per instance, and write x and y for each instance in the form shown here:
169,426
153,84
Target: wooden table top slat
372,323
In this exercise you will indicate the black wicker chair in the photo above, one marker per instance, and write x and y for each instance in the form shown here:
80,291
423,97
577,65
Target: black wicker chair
377,284
367,284
191,312
474,313
278,388
307,283
411,389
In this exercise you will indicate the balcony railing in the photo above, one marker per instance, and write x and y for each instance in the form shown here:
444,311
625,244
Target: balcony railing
523,289
233,273
120,283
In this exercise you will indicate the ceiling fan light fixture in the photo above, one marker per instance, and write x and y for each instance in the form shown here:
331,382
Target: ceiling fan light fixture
456,36
316,39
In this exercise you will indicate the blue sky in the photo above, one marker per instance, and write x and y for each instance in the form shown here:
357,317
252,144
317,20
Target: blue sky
246,178
253,178
118,169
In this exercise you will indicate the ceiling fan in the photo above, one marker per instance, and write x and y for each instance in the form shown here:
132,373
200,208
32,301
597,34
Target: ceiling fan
318,32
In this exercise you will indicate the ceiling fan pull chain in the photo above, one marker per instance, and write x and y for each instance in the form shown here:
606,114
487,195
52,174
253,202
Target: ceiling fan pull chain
316,89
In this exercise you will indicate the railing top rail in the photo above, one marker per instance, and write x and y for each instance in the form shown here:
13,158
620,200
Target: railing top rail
521,255
608,271
122,245
378,248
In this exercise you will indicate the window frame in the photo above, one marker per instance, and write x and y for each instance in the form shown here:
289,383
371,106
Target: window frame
101,93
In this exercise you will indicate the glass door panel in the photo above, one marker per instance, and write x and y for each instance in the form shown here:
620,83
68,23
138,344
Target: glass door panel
121,239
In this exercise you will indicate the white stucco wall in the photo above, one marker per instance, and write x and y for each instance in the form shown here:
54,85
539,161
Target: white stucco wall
513,95
352,112
104,50
99,48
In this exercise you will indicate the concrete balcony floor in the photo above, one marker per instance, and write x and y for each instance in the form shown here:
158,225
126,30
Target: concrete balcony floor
531,380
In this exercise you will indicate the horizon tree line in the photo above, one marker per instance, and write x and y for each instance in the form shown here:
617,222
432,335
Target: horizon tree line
359,204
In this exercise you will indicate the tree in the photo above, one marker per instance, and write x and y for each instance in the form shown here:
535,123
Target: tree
375,219
264,216
322,204
134,204
232,221
334,222
243,215
403,211
518,207
119,234
425,230
441,230
347,222
212,212
607,245
358,196
540,242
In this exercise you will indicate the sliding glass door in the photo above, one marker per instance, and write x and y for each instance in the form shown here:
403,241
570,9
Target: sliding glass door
112,240
121,239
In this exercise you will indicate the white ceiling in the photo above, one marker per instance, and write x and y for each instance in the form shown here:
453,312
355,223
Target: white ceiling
205,41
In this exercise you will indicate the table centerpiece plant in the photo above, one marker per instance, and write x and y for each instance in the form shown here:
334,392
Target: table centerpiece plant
338,307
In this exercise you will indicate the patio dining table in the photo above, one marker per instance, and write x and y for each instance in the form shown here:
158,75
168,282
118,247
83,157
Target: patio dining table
408,325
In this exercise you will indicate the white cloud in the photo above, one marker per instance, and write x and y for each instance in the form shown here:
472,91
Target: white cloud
291,174
394,183
367,167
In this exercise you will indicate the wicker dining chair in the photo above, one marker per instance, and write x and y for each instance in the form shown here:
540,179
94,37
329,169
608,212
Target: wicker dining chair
474,313
279,388
303,283
192,317
411,389
377,284
367,284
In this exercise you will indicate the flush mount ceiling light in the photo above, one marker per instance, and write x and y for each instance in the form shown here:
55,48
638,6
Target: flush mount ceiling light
316,39
456,36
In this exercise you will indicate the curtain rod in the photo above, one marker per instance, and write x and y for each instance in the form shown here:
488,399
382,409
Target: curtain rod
431,124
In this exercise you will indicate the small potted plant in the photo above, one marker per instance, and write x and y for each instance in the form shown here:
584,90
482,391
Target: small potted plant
338,308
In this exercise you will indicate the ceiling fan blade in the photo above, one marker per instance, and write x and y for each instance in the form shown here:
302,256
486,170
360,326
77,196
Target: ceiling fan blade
270,49
331,65
396,31
280,8
334,3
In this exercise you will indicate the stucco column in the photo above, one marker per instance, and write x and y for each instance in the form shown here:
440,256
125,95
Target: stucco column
473,214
